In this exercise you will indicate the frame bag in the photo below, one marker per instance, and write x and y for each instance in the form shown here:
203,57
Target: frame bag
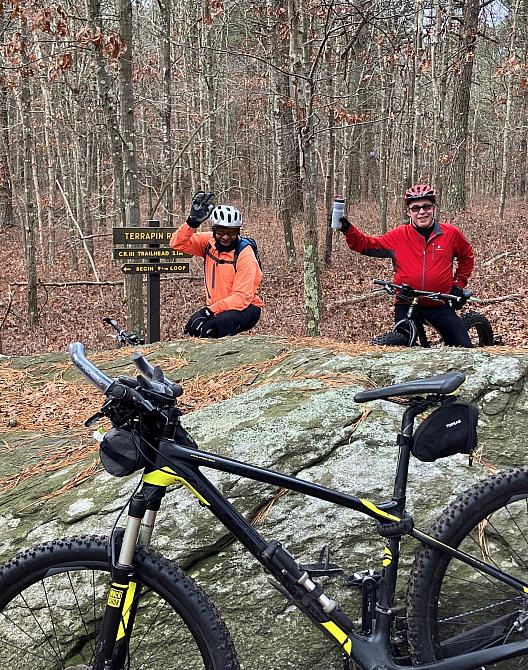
119,452
450,429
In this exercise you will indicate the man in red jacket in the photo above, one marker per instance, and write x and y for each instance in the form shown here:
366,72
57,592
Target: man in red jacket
423,254
232,272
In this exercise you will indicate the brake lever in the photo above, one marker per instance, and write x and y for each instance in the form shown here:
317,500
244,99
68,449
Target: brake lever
93,419
160,389
155,374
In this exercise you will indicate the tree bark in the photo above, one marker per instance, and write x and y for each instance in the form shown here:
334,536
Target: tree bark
6,190
133,284
166,105
456,187
301,57
30,214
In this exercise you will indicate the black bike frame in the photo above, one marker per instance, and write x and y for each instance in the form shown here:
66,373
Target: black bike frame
418,333
372,651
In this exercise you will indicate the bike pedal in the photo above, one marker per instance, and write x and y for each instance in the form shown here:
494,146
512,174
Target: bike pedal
356,580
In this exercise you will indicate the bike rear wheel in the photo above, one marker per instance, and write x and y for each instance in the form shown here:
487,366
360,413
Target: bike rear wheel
52,599
453,608
478,328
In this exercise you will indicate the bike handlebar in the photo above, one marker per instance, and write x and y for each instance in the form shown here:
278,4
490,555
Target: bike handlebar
155,374
123,392
88,369
122,389
391,288
123,336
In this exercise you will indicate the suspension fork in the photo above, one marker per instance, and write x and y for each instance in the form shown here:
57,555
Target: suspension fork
112,645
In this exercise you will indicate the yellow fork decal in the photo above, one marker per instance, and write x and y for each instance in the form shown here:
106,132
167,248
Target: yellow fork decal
387,557
129,599
339,635
371,506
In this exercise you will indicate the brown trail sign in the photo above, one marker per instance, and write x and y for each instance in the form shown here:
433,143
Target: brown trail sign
153,266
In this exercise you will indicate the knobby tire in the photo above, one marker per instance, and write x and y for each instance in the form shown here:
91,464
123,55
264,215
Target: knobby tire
451,607
479,329
52,598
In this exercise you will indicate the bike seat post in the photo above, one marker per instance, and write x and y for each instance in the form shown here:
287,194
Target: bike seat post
404,454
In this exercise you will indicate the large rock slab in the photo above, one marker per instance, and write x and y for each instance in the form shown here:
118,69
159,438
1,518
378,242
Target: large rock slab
279,404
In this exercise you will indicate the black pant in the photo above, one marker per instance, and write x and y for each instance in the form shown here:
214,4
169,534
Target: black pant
231,322
444,319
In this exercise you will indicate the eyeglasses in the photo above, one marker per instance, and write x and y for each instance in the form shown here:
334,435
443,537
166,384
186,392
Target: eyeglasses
417,208
226,232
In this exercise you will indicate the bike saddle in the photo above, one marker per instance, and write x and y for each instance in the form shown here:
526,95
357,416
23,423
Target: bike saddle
439,384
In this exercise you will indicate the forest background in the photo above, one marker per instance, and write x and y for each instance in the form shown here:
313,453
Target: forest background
113,113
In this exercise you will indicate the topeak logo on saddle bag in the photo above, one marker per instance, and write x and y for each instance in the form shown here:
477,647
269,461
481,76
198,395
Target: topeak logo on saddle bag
449,429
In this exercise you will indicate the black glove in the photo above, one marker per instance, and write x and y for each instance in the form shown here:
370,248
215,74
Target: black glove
195,325
344,224
201,208
462,295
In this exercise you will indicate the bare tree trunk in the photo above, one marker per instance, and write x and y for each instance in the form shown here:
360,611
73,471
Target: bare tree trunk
506,132
109,104
50,228
210,94
304,92
165,7
439,55
383,145
6,191
456,188
133,284
330,177
283,122
417,92
29,219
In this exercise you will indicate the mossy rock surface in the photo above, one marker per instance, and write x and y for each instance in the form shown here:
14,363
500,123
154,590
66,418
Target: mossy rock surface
276,403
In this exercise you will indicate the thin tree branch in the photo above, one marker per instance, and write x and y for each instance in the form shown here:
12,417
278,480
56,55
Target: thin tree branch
87,251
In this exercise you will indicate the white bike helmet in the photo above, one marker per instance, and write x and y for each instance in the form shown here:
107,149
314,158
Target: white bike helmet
225,215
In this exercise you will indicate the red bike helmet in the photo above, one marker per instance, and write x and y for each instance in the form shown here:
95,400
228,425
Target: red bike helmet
419,191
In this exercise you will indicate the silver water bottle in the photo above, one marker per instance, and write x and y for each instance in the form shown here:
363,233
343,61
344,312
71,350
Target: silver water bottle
337,212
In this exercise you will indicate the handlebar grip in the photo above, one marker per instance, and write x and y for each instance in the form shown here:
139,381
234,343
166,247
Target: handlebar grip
88,369
142,364
120,391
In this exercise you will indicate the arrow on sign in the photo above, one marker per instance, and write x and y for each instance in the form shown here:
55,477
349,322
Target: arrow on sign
148,268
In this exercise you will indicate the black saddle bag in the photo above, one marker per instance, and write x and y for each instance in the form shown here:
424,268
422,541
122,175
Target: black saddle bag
449,429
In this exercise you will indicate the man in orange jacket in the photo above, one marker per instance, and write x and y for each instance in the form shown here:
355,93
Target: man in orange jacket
232,272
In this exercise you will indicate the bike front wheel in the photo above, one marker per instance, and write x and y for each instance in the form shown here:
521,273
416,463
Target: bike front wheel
391,339
52,599
451,607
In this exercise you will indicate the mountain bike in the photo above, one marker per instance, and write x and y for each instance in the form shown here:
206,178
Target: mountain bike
410,331
94,603
123,337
